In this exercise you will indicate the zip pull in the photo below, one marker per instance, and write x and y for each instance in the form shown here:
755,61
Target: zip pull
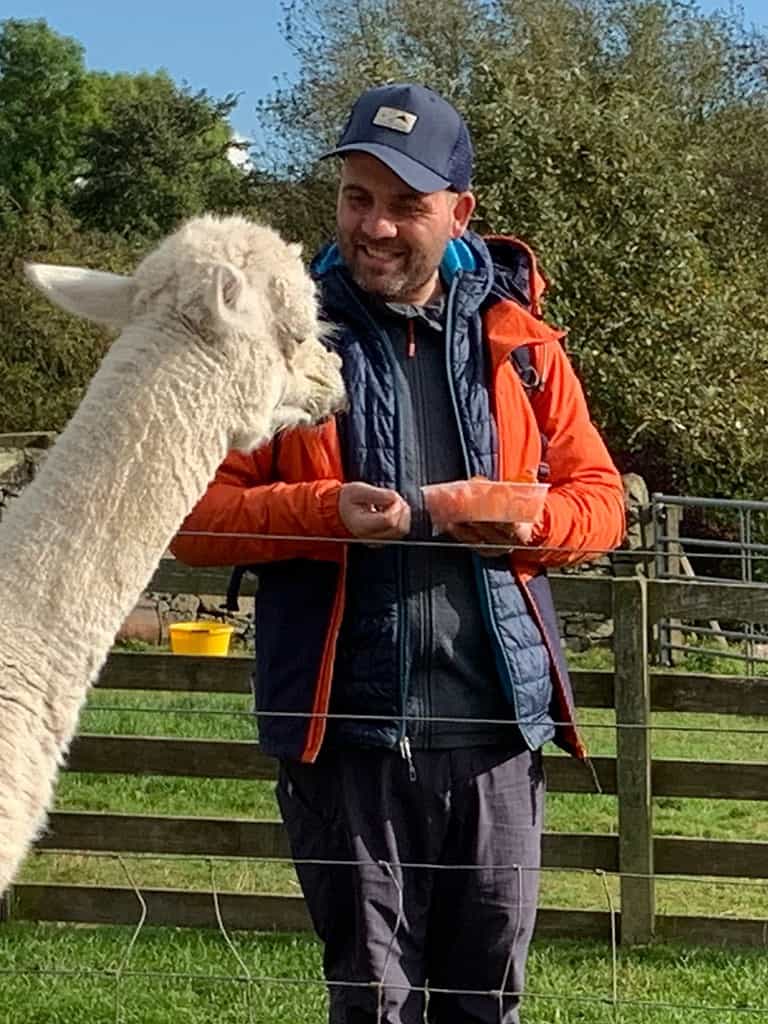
411,338
405,753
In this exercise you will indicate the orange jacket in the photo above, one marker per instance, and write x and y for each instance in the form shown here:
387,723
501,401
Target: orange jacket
297,496
290,492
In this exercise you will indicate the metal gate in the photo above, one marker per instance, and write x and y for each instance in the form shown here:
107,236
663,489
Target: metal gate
741,558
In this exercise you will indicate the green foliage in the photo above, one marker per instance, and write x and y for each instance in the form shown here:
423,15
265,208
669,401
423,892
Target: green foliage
46,356
301,209
605,164
45,108
131,154
342,49
93,168
159,156
625,140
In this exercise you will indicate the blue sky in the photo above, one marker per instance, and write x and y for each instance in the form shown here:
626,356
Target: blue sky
227,47
234,46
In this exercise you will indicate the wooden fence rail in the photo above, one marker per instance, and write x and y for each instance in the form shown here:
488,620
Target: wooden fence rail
240,759
97,832
633,776
594,688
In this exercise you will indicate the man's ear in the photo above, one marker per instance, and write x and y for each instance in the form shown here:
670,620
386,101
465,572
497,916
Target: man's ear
92,294
463,209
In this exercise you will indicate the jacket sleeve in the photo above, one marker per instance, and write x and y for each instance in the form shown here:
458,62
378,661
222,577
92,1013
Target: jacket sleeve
241,500
584,513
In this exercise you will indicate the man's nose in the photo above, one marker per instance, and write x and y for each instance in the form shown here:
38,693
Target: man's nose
378,224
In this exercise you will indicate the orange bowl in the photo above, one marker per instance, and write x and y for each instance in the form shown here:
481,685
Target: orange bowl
484,501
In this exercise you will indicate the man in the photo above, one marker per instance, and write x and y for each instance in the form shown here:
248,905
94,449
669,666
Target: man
407,690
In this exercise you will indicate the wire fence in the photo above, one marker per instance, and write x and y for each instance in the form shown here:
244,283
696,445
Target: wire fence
615,999
249,981
759,552
422,719
679,554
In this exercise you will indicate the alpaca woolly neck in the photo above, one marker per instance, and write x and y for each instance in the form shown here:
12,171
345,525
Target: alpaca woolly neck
221,347
134,459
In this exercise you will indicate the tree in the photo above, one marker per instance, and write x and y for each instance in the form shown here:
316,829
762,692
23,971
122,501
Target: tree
45,109
301,208
130,153
625,140
341,48
606,166
157,155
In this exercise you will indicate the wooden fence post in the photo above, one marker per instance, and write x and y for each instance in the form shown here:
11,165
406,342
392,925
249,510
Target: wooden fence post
5,906
633,759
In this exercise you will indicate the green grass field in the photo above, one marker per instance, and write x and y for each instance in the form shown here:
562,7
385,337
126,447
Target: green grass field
57,975
66,974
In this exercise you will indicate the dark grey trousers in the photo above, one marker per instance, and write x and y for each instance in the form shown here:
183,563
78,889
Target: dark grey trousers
405,916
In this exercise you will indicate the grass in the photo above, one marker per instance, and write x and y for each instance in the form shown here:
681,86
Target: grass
188,977
713,659
184,971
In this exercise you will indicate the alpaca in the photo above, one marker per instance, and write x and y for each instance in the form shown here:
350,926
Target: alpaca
220,347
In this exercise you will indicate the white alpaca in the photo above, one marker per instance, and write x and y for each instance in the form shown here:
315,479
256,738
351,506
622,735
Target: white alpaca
220,347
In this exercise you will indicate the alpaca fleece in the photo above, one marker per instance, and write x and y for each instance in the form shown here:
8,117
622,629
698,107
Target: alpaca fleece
219,347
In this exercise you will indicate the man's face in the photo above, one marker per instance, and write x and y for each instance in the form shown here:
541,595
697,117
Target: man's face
392,238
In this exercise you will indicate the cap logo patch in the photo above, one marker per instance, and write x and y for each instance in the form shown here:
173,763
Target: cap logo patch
397,120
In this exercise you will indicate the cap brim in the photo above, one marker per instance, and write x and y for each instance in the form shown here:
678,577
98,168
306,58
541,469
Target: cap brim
411,171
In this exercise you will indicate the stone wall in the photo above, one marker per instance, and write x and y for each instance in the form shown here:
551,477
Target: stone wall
20,456
155,612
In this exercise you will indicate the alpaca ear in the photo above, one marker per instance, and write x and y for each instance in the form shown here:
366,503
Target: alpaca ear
92,294
225,291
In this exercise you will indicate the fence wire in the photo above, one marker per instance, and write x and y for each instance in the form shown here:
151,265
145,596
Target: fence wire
224,859
424,719
760,552
618,1003
248,981
120,972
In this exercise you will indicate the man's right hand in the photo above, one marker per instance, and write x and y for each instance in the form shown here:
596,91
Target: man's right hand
374,513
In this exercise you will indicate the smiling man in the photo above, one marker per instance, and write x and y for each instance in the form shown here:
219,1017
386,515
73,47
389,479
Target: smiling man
408,690
392,238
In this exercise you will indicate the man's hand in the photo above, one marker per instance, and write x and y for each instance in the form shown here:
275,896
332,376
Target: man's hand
509,535
374,513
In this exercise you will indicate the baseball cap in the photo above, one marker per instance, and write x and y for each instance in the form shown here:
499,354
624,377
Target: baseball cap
415,132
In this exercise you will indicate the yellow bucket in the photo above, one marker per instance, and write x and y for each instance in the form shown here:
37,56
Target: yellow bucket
200,638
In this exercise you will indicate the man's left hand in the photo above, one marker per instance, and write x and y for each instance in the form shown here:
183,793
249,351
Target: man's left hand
506,535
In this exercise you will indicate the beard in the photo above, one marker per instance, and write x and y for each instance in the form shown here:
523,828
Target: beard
404,273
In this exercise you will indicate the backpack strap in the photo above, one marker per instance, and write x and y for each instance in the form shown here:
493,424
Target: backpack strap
530,378
232,602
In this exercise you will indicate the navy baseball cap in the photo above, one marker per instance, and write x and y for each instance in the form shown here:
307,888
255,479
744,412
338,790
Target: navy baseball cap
415,132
